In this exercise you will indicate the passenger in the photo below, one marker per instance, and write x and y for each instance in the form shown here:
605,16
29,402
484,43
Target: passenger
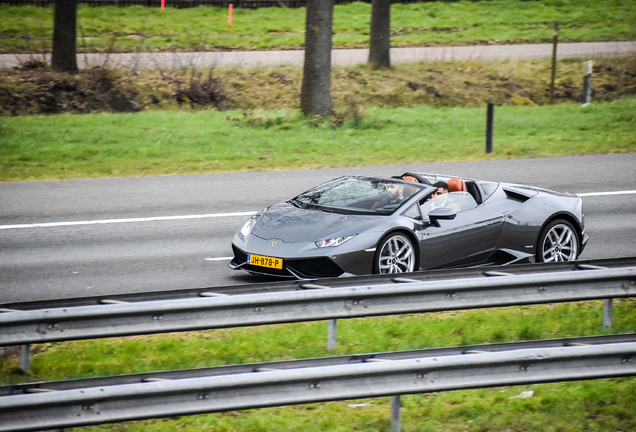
442,188
439,199
443,203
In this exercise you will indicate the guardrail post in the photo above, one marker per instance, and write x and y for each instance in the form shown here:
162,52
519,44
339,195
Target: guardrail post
332,334
25,357
587,83
396,415
490,115
607,313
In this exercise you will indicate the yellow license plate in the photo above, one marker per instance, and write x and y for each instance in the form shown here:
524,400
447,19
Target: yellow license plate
264,261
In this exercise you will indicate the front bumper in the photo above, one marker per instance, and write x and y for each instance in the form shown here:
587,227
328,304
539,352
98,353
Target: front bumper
299,268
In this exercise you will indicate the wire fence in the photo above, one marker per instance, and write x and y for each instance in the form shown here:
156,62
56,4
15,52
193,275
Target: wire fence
245,4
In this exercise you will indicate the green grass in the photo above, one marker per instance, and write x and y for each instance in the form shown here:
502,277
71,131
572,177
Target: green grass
137,28
600,405
165,142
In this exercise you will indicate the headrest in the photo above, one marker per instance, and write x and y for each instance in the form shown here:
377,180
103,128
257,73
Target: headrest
410,178
456,185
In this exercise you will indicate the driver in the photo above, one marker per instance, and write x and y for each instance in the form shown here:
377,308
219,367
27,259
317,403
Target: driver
395,193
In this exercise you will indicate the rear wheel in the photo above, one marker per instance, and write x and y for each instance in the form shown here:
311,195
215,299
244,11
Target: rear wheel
395,254
558,242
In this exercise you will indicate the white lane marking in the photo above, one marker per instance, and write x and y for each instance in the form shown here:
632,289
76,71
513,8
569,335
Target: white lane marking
591,194
203,216
218,259
114,221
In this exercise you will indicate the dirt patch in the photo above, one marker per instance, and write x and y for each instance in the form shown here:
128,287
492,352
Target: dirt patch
195,88
11,351
33,90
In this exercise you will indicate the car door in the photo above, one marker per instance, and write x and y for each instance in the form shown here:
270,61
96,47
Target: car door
467,238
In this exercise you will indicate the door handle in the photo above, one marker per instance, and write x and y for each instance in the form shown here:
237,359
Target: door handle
495,222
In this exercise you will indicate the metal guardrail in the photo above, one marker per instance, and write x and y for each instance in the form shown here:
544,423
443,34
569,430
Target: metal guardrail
172,397
125,319
295,285
39,387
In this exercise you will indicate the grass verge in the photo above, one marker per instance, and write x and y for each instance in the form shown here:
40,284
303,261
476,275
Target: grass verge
137,28
164,142
600,405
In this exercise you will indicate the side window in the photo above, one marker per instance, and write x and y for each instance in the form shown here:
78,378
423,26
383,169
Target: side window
463,200
457,201
430,202
413,212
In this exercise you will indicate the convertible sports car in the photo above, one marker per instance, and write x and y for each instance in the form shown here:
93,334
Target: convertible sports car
364,224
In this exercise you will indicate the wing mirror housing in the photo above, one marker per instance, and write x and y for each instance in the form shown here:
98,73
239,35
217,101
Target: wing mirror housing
441,213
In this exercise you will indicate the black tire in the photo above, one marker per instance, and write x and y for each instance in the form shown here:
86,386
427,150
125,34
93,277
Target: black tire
558,242
395,254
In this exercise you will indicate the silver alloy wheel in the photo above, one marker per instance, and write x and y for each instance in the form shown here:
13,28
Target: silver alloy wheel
396,255
560,244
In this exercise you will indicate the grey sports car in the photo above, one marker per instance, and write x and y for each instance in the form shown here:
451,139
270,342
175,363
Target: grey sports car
356,225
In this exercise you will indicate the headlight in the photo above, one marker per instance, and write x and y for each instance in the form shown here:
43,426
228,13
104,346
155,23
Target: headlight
337,241
247,227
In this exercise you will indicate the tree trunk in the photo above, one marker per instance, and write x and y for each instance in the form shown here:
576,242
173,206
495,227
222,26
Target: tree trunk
315,97
64,57
380,34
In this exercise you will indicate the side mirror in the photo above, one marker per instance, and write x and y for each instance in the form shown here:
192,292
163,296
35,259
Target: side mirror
441,213
424,222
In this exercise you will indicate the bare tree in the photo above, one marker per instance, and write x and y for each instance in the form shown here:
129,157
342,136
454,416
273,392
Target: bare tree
380,34
315,97
64,56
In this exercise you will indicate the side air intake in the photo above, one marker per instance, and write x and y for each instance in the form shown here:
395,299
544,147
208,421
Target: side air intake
516,196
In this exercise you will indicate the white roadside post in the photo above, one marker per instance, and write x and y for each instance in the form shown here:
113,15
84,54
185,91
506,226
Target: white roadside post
587,83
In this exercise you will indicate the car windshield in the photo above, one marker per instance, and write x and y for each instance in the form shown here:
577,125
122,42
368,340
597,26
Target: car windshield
358,195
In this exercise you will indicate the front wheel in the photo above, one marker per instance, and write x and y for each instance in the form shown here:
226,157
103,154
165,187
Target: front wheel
558,242
395,254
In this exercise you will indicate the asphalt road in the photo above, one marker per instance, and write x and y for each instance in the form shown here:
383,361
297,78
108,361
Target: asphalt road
106,236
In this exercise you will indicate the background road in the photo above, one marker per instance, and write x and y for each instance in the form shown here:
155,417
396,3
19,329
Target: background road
340,57
63,259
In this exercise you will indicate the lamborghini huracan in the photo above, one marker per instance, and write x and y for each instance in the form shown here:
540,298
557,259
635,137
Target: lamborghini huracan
357,225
